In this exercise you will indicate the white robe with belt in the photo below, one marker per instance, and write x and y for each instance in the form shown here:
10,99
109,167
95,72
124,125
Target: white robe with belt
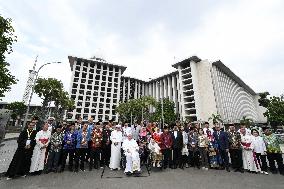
130,148
37,161
115,137
249,159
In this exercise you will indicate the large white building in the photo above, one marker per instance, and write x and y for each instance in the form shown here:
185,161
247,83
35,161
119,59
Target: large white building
198,88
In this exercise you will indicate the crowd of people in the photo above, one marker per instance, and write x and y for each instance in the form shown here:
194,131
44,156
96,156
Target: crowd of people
95,145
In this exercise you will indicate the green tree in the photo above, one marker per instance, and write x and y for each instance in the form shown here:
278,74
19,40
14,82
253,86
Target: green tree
18,110
246,121
216,118
135,109
51,90
168,111
275,108
7,38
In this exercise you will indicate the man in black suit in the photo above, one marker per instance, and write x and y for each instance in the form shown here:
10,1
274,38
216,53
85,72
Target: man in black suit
177,147
106,144
222,140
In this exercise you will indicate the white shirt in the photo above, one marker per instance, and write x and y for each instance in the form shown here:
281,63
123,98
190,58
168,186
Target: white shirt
175,134
258,144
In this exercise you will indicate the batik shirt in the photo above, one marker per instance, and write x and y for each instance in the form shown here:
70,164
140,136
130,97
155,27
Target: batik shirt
56,139
234,140
272,143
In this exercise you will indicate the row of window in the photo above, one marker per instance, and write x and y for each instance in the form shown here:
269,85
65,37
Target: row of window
98,66
97,77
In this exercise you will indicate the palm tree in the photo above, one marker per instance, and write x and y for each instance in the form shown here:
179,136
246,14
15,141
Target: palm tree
215,118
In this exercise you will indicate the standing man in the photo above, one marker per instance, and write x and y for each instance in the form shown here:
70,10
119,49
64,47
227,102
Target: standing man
273,151
166,146
235,149
177,146
207,130
106,143
21,162
96,145
223,145
116,140
81,148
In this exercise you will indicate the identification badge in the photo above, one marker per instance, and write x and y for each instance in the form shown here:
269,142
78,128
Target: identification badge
28,142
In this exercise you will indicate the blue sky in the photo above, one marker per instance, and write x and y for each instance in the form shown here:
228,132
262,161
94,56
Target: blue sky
148,37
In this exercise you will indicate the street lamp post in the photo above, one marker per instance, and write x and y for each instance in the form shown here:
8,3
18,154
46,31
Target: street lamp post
30,99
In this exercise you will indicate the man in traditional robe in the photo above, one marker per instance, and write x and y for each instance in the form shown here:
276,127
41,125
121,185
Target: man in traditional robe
42,141
116,139
21,161
131,148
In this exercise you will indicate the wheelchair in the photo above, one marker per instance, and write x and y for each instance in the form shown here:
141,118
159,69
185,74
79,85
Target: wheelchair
154,163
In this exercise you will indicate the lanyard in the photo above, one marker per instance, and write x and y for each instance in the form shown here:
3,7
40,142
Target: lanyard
29,134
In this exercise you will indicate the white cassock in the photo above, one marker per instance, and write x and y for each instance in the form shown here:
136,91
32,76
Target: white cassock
130,148
37,161
115,137
249,159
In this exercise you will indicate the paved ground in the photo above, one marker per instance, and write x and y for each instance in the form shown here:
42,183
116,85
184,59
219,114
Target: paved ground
188,178
6,154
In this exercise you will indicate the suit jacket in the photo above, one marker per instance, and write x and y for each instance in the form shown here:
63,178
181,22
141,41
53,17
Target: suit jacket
177,141
222,140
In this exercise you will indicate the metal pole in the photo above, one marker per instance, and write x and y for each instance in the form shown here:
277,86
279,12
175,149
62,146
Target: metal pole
162,113
30,99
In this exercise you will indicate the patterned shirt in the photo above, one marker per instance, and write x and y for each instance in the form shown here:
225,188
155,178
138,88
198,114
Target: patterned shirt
56,139
234,140
272,143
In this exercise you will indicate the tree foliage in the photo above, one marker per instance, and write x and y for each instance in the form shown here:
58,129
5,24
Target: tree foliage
246,121
275,108
7,38
168,111
18,109
52,90
137,108
216,118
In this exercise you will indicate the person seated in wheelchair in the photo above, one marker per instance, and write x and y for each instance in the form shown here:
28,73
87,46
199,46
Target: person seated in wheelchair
156,153
130,148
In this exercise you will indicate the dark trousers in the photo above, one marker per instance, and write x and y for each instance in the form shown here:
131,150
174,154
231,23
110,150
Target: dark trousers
272,157
95,158
194,158
177,157
225,158
236,158
53,160
204,157
261,161
71,154
106,152
167,157
80,156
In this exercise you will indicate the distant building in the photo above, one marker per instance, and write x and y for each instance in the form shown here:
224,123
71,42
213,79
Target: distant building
198,88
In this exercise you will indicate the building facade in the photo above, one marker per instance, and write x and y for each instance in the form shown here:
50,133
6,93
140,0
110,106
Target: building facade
198,88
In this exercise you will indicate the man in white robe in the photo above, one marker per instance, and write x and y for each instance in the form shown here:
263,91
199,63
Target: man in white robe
131,148
42,141
116,139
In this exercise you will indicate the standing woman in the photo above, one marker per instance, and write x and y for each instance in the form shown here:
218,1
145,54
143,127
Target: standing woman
203,148
249,162
42,141
259,149
21,162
